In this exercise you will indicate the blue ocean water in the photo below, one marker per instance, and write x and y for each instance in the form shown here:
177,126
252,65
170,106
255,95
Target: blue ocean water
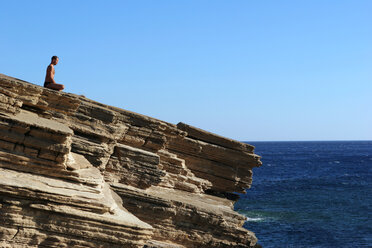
311,194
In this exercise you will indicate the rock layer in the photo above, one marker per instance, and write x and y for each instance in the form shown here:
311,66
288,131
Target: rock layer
78,173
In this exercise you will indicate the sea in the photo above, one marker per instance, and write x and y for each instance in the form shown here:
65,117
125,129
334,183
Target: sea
311,194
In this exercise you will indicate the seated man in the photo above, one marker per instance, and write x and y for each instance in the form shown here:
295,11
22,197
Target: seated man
49,78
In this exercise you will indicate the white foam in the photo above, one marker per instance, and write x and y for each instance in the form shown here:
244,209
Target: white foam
254,219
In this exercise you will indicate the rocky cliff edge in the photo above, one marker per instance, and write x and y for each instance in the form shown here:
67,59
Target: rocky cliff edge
78,173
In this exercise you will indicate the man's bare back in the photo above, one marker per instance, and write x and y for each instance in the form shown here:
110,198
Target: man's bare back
49,78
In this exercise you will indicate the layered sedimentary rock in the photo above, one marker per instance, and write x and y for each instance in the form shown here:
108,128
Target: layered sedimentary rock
78,173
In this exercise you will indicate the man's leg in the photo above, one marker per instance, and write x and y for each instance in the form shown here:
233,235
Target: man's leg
56,86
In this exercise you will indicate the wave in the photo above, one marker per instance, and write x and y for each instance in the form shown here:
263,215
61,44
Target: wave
254,219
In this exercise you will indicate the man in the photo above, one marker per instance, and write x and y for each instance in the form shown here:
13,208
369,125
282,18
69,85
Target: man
49,78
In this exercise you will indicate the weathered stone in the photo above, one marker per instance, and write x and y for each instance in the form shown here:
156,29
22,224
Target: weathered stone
178,175
199,134
228,170
82,215
9,105
76,161
6,145
158,244
30,151
134,167
78,173
187,219
11,136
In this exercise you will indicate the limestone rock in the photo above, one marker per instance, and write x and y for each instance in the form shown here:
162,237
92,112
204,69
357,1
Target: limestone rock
199,134
78,173
133,166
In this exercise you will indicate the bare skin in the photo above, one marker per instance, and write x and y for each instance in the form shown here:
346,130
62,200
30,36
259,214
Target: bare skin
50,77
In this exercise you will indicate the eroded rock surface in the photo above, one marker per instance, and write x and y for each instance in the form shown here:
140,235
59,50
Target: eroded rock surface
78,173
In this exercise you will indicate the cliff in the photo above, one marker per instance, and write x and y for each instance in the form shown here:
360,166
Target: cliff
78,173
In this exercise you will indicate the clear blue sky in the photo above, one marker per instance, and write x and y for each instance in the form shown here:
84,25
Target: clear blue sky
248,70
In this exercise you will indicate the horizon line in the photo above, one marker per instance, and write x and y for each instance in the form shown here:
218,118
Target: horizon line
305,141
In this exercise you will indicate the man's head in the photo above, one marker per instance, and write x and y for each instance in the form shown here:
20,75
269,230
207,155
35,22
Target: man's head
54,60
